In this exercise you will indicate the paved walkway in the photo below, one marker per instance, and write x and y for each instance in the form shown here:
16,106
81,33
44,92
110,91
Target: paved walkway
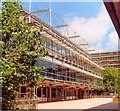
93,103
112,106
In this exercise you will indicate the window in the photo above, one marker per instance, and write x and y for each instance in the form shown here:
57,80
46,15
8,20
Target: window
48,43
39,92
63,50
23,91
44,91
53,92
59,48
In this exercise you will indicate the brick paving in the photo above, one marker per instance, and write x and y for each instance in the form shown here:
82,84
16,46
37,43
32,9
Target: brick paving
112,106
93,103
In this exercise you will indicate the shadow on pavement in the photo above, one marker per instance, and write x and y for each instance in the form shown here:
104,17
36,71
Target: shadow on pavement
112,106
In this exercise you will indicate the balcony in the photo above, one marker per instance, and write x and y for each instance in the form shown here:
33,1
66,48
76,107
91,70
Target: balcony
67,79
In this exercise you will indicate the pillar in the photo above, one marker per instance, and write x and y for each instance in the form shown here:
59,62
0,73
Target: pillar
85,94
80,93
62,93
50,98
47,92
76,96
91,93
56,95
88,93
72,93
65,93
42,93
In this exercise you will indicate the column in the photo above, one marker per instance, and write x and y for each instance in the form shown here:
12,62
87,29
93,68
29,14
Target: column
47,92
50,98
65,93
71,91
56,96
85,94
91,93
42,93
62,93
76,96
88,94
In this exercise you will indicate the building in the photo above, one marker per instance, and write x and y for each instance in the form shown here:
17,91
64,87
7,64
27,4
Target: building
113,8
70,73
108,59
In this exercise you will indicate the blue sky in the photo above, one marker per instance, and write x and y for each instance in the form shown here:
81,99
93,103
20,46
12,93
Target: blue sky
77,8
84,9
89,19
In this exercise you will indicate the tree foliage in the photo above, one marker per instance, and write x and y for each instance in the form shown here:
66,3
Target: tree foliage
21,45
111,80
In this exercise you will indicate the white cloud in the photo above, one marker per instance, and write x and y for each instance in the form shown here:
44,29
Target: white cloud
93,29
113,41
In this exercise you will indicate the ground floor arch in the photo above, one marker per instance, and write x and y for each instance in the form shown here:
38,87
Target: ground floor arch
59,91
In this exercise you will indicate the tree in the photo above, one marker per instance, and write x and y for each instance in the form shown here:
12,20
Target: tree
21,45
111,80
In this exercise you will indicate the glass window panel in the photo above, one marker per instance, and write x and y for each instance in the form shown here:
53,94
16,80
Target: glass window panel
39,92
23,89
63,50
59,49
55,46
44,91
48,42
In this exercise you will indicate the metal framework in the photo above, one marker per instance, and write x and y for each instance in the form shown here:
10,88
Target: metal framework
74,36
40,11
60,26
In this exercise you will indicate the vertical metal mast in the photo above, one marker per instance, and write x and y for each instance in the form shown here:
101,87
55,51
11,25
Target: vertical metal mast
30,11
65,28
50,13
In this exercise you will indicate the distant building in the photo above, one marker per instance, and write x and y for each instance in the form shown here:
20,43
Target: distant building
108,59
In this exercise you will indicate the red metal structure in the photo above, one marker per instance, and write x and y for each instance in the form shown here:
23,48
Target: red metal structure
113,8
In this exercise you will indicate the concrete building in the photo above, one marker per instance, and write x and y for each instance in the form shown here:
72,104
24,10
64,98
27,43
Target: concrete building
108,59
70,73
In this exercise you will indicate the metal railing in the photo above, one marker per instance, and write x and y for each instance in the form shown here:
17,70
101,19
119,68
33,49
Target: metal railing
71,60
60,77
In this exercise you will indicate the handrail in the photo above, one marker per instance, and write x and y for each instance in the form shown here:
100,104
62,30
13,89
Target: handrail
67,78
68,58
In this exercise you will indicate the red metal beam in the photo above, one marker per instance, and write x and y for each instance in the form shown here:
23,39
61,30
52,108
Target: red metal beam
113,9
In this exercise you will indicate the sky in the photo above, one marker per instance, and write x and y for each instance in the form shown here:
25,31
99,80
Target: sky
89,19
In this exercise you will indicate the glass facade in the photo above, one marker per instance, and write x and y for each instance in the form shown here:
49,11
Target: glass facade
69,57
54,71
